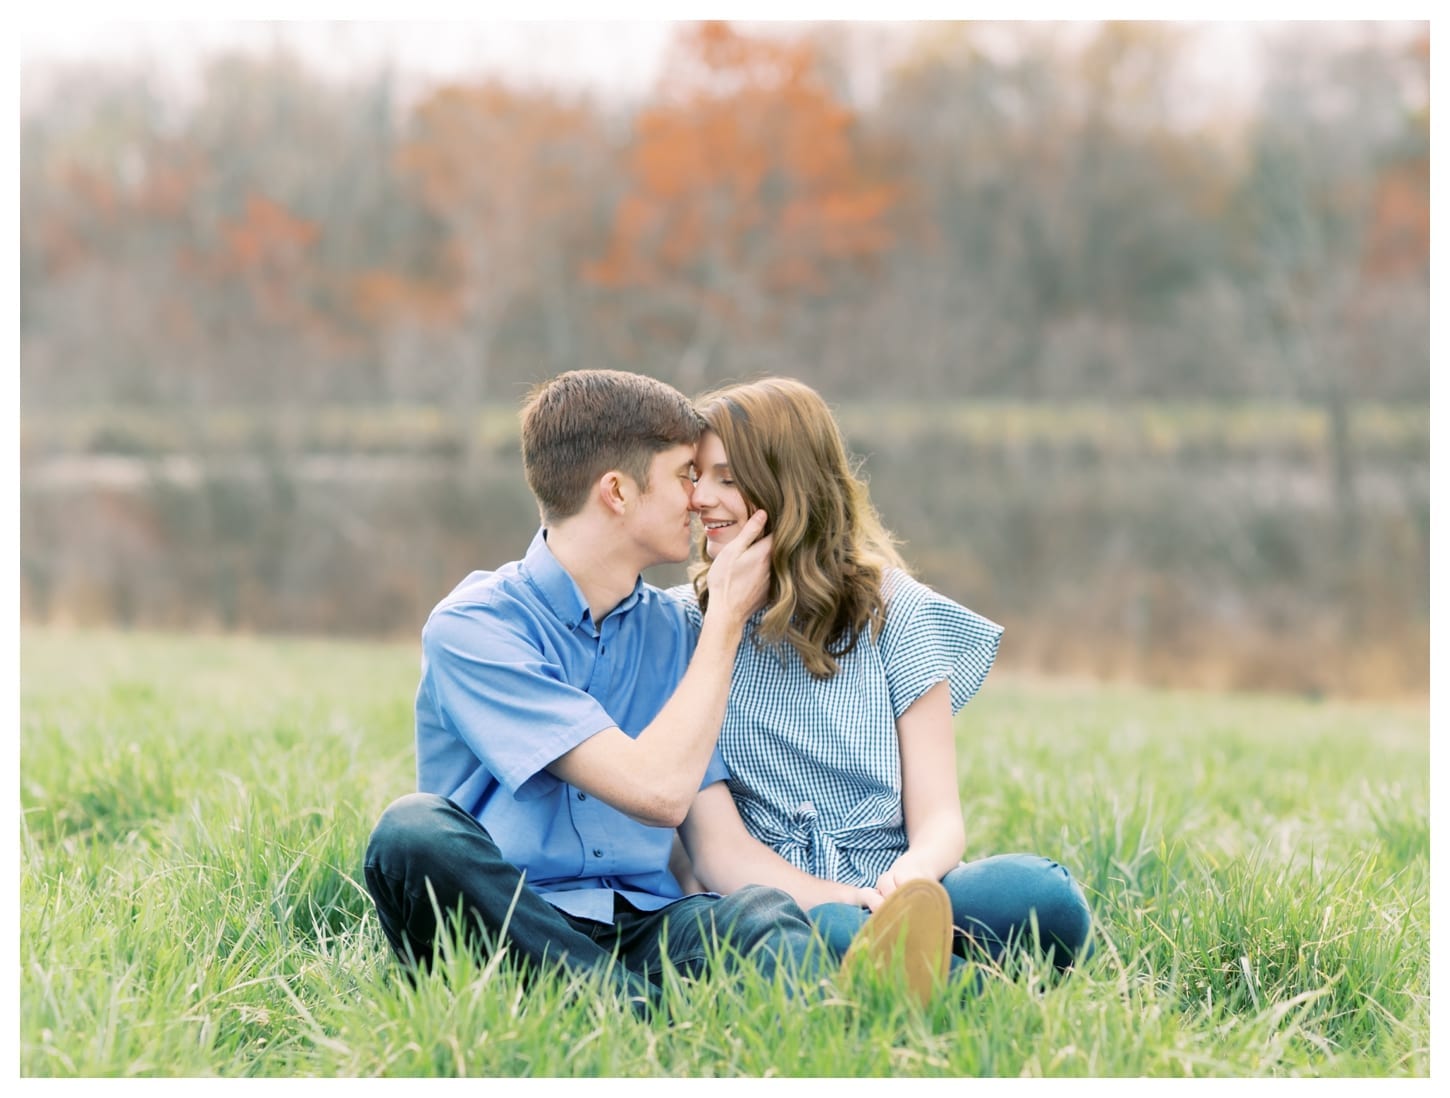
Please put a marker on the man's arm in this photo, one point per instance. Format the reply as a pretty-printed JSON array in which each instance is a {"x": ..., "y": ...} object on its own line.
[
  {"x": 654, "y": 777},
  {"x": 726, "y": 857}
]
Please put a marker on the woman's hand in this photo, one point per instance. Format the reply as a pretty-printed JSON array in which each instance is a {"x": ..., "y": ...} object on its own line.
[
  {"x": 905, "y": 868},
  {"x": 869, "y": 898}
]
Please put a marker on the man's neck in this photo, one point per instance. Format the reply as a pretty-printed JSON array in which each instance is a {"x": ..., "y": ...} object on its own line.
[{"x": 603, "y": 573}]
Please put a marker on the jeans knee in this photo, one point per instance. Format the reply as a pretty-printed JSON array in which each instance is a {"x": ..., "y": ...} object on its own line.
[
  {"x": 767, "y": 926},
  {"x": 1062, "y": 911},
  {"x": 1005, "y": 893},
  {"x": 761, "y": 906},
  {"x": 403, "y": 827},
  {"x": 1066, "y": 908},
  {"x": 757, "y": 914}
]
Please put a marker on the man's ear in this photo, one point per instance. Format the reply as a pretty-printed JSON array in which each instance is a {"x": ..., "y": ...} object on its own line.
[{"x": 615, "y": 491}]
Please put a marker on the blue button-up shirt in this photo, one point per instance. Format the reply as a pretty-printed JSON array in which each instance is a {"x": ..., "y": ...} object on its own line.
[{"x": 515, "y": 674}]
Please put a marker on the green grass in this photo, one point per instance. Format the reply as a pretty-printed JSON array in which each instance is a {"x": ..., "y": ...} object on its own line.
[{"x": 195, "y": 809}]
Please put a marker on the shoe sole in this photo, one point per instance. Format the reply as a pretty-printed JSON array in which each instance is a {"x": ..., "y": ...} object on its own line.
[{"x": 909, "y": 934}]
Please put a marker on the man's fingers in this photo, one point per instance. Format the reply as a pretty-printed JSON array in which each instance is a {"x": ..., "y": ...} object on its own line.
[
  {"x": 752, "y": 528},
  {"x": 760, "y": 548},
  {"x": 749, "y": 532}
]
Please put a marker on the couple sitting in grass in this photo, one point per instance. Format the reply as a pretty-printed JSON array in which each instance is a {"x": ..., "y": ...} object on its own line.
[{"x": 614, "y": 779}]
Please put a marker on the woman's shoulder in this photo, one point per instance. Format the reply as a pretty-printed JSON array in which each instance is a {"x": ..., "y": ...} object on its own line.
[
  {"x": 928, "y": 637},
  {"x": 683, "y": 596},
  {"x": 909, "y": 600},
  {"x": 901, "y": 588},
  {"x": 682, "y": 592}
]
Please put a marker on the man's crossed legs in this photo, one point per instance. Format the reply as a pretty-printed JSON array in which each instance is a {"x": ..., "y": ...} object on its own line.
[{"x": 427, "y": 855}]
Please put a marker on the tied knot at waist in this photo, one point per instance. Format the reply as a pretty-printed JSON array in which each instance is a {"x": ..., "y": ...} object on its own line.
[{"x": 808, "y": 844}]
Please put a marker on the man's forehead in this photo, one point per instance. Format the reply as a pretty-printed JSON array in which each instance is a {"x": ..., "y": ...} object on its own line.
[{"x": 682, "y": 454}]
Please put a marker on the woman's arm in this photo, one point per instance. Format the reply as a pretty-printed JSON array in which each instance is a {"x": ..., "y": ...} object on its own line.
[
  {"x": 683, "y": 869},
  {"x": 932, "y": 803},
  {"x": 726, "y": 857}
]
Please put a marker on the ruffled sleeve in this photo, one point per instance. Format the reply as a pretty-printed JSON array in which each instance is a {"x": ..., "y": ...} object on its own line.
[{"x": 928, "y": 637}]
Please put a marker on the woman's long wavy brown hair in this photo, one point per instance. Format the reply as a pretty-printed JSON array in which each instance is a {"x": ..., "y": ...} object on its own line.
[{"x": 830, "y": 548}]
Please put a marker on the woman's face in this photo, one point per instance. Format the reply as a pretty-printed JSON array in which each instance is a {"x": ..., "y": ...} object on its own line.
[{"x": 721, "y": 506}]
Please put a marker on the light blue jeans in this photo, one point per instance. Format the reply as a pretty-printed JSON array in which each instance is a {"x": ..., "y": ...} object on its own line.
[{"x": 995, "y": 903}]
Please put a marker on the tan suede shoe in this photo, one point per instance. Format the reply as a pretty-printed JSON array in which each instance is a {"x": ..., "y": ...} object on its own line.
[{"x": 910, "y": 934}]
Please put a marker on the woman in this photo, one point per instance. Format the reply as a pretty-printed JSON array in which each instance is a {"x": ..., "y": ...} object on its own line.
[{"x": 838, "y": 734}]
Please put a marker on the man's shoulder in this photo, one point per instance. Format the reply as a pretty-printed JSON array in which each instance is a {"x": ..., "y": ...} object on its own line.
[
  {"x": 476, "y": 588},
  {"x": 481, "y": 596}
]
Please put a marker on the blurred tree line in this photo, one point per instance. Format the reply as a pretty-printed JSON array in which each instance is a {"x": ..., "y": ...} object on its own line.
[{"x": 1020, "y": 217}]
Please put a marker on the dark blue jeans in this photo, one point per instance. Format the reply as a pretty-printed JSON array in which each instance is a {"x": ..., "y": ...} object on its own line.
[
  {"x": 425, "y": 842},
  {"x": 995, "y": 902}
]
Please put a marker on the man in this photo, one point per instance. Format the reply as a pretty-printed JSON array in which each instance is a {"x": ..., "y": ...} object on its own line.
[{"x": 565, "y": 727}]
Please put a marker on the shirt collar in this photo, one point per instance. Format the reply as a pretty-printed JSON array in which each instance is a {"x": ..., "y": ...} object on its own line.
[{"x": 557, "y": 587}]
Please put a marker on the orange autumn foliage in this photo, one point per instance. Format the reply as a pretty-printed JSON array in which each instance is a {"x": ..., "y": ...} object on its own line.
[
  {"x": 267, "y": 234},
  {"x": 745, "y": 177},
  {"x": 503, "y": 169},
  {"x": 1398, "y": 241},
  {"x": 267, "y": 249},
  {"x": 382, "y": 296}
]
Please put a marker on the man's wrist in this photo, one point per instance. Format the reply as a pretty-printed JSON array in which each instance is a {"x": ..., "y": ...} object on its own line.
[{"x": 726, "y": 625}]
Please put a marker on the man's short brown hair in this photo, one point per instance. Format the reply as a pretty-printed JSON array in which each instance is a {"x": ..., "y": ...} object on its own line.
[{"x": 579, "y": 425}]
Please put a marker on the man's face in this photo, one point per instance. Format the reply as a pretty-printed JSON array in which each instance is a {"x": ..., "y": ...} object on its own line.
[{"x": 660, "y": 521}]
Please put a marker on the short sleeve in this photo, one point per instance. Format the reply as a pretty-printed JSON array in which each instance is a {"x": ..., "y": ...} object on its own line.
[
  {"x": 927, "y": 638},
  {"x": 684, "y": 594},
  {"x": 498, "y": 693}
]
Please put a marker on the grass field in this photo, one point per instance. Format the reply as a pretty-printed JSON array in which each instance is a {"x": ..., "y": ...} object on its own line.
[{"x": 195, "y": 809}]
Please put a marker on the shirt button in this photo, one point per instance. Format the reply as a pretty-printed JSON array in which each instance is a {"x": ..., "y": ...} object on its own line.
[
  {"x": 578, "y": 796},
  {"x": 598, "y": 853}
]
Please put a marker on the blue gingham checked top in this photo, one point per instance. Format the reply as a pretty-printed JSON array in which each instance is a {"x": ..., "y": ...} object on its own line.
[{"x": 815, "y": 766}]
